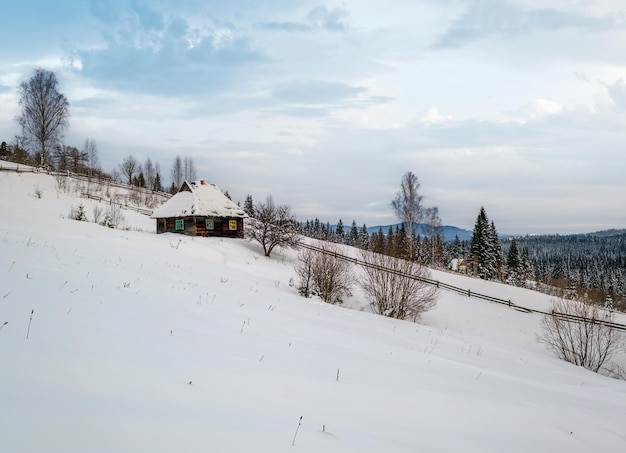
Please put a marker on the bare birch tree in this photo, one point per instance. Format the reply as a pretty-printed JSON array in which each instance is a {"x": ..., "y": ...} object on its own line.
[
  {"x": 407, "y": 205},
  {"x": 45, "y": 112},
  {"x": 90, "y": 148},
  {"x": 177, "y": 173}
]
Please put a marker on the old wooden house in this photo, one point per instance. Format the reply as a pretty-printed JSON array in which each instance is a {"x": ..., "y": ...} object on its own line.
[{"x": 200, "y": 209}]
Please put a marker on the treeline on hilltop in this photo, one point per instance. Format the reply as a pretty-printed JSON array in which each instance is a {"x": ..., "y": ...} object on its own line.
[
  {"x": 43, "y": 119},
  {"x": 592, "y": 265},
  {"x": 587, "y": 266}
]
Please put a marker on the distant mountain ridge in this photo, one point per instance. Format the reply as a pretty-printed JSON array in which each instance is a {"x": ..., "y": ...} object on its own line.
[{"x": 448, "y": 232}]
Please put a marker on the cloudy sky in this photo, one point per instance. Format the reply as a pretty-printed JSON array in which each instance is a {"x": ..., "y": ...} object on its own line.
[{"x": 515, "y": 105}]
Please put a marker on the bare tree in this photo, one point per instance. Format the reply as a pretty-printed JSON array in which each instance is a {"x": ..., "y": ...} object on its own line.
[
  {"x": 189, "y": 169},
  {"x": 395, "y": 287},
  {"x": 149, "y": 173},
  {"x": 177, "y": 172},
  {"x": 128, "y": 168},
  {"x": 90, "y": 148},
  {"x": 576, "y": 331},
  {"x": 274, "y": 226},
  {"x": 407, "y": 205},
  {"x": 45, "y": 112},
  {"x": 434, "y": 230}
]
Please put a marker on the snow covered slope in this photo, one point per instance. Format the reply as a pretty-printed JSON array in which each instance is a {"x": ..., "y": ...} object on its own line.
[{"x": 162, "y": 343}]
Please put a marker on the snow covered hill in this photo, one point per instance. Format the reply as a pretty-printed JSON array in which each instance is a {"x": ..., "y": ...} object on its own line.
[{"x": 140, "y": 342}]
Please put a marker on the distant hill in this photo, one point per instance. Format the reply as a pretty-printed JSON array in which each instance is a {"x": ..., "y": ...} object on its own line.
[{"x": 449, "y": 232}]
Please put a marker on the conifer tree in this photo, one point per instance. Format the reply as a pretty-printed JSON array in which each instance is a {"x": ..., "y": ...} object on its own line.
[
  {"x": 479, "y": 246},
  {"x": 377, "y": 242},
  {"x": 248, "y": 206},
  {"x": 339, "y": 230},
  {"x": 513, "y": 263},
  {"x": 364, "y": 238},
  {"x": 390, "y": 243},
  {"x": 354, "y": 235},
  {"x": 494, "y": 260},
  {"x": 157, "y": 187}
]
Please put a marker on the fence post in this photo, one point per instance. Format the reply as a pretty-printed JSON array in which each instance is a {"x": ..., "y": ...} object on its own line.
[{"x": 469, "y": 293}]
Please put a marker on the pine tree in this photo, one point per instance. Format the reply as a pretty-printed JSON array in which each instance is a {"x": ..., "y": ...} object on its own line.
[
  {"x": 494, "y": 260},
  {"x": 353, "y": 238},
  {"x": 377, "y": 242},
  {"x": 513, "y": 263},
  {"x": 157, "y": 187},
  {"x": 364, "y": 238},
  {"x": 479, "y": 246},
  {"x": 390, "y": 243},
  {"x": 248, "y": 206},
  {"x": 339, "y": 230},
  {"x": 141, "y": 180}
]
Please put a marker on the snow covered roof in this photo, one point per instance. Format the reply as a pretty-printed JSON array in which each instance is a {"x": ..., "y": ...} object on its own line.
[{"x": 198, "y": 199}]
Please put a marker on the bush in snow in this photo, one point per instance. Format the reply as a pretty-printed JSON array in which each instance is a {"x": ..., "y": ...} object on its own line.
[
  {"x": 394, "y": 288},
  {"x": 324, "y": 274},
  {"x": 576, "y": 331},
  {"x": 78, "y": 213},
  {"x": 97, "y": 213},
  {"x": 113, "y": 217}
]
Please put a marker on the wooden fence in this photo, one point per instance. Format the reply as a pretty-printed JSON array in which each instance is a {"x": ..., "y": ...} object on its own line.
[
  {"x": 465, "y": 292},
  {"x": 17, "y": 168}
]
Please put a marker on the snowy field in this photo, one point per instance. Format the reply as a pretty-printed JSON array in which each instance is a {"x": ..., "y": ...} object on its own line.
[{"x": 163, "y": 343}]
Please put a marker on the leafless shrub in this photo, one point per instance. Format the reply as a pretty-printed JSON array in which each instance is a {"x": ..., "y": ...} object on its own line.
[
  {"x": 113, "y": 217},
  {"x": 576, "y": 332},
  {"x": 97, "y": 213},
  {"x": 332, "y": 277},
  {"x": 324, "y": 274},
  {"x": 392, "y": 290},
  {"x": 304, "y": 271}
]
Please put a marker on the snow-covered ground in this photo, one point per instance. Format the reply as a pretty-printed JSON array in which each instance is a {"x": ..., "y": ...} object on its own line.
[{"x": 163, "y": 343}]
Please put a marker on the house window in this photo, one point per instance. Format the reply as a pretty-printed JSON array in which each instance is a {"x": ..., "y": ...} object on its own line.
[
  {"x": 180, "y": 224},
  {"x": 210, "y": 224},
  {"x": 232, "y": 225}
]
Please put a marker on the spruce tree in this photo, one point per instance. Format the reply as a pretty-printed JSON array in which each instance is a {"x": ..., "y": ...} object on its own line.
[
  {"x": 364, "y": 238},
  {"x": 354, "y": 235},
  {"x": 494, "y": 260},
  {"x": 377, "y": 242},
  {"x": 248, "y": 206},
  {"x": 390, "y": 243},
  {"x": 479, "y": 245},
  {"x": 513, "y": 264},
  {"x": 157, "y": 187},
  {"x": 339, "y": 230}
]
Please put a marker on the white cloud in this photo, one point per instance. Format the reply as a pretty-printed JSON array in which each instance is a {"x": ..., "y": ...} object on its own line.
[{"x": 432, "y": 116}]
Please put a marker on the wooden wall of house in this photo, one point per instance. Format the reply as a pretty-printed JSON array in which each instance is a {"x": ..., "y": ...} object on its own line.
[
  {"x": 196, "y": 226},
  {"x": 221, "y": 227}
]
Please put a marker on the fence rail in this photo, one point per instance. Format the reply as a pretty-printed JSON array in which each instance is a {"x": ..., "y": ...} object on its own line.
[
  {"x": 465, "y": 292},
  {"x": 17, "y": 168}
]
